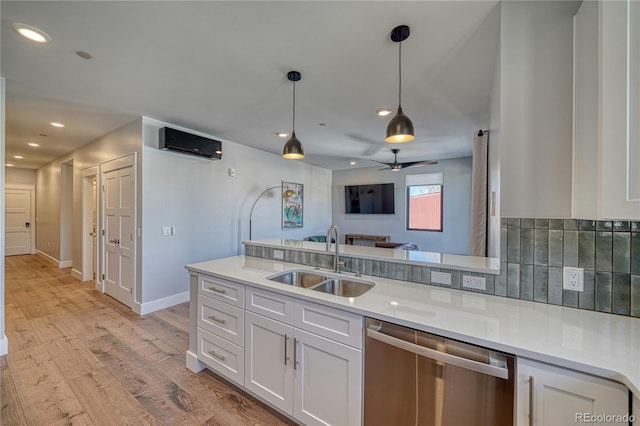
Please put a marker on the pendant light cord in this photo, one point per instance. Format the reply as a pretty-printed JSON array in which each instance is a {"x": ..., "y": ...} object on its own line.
[
  {"x": 293, "y": 127},
  {"x": 400, "y": 73}
]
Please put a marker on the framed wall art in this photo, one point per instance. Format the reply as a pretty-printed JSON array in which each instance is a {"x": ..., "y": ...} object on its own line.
[{"x": 292, "y": 207}]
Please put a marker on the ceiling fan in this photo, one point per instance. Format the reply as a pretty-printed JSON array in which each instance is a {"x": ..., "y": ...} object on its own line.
[{"x": 395, "y": 166}]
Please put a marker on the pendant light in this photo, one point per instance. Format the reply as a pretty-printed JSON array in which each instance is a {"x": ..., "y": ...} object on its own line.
[
  {"x": 400, "y": 128},
  {"x": 293, "y": 149}
]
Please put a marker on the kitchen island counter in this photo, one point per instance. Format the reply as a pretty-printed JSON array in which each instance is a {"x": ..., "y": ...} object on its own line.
[{"x": 601, "y": 344}]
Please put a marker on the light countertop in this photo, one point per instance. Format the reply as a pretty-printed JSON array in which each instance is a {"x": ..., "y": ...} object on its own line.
[
  {"x": 604, "y": 345},
  {"x": 487, "y": 265}
]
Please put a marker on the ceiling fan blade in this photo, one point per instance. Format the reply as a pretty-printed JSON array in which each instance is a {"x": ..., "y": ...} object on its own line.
[
  {"x": 418, "y": 163},
  {"x": 382, "y": 162},
  {"x": 385, "y": 168}
]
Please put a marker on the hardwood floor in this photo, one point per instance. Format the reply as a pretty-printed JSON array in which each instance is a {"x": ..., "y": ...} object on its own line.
[{"x": 77, "y": 356}]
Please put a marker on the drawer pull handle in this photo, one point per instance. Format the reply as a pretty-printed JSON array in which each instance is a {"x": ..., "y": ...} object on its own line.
[
  {"x": 220, "y": 357},
  {"x": 212, "y": 318},
  {"x": 218, "y": 290},
  {"x": 295, "y": 353},
  {"x": 532, "y": 389},
  {"x": 286, "y": 358}
]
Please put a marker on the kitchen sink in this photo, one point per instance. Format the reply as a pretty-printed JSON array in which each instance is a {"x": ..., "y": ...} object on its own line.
[
  {"x": 304, "y": 279},
  {"x": 344, "y": 287},
  {"x": 322, "y": 282}
]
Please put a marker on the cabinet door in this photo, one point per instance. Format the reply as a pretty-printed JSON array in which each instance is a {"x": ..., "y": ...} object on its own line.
[
  {"x": 327, "y": 381},
  {"x": 620, "y": 106},
  {"x": 563, "y": 397},
  {"x": 268, "y": 371}
]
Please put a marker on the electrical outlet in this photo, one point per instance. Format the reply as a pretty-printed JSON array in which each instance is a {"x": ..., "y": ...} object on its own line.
[
  {"x": 165, "y": 231},
  {"x": 479, "y": 283},
  {"x": 573, "y": 278},
  {"x": 441, "y": 277},
  {"x": 278, "y": 254}
]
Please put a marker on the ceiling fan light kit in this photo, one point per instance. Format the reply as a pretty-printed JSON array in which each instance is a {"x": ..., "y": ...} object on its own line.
[
  {"x": 293, "y": 149},
  {"x": 400, "y": 128}
]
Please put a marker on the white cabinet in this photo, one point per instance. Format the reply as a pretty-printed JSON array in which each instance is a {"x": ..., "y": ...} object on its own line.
[
  {"x": 606, "y": 176},
  {"x": 558, "y": 396},
  {"x": 220, "y": 326},
  {"x": 316, "y": 379},
  {"x": 327, "y": 381},
  {"x": 268, "y": 362}
]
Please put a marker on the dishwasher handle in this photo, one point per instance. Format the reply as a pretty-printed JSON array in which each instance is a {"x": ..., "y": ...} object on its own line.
[{"x": 479, "y": 367}]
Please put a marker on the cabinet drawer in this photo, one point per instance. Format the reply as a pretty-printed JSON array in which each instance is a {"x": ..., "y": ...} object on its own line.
[
  {"x": 271, "y": 305},
  {"x": 334, "y": 324},
  {"x": 221, "y": 319},
  {"x": 221, "y": 356},
  {"x": 226, "y": 291}
]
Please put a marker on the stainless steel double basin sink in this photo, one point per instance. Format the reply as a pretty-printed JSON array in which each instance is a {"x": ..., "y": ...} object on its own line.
[{"x": 323, "y": 282}]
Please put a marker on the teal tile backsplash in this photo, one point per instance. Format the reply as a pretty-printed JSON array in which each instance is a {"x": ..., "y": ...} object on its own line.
[
  {"x": 533, "y": 253},
  {"x": 609, "y": 252}
]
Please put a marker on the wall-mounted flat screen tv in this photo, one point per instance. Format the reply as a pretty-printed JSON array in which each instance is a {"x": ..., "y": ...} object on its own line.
[{"x": 369, "y": 199}]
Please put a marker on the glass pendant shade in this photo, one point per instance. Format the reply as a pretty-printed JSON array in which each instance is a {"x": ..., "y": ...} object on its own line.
[
  {"x": 400, "y": 128},
  {"x": 293, "y": 149}
]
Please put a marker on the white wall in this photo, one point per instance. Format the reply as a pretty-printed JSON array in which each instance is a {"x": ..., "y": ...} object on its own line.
[
  {"x": 66, "y": 214},
  {"x": 210, "y": 210},
  {"x": 4, "y": 344},
  {"x": 536, "y": 107},
  {"x": 456, "y": 235},
  {"x": 18, "y": 176},
  {"x": 494, "y": 166},
  {"x": 122, "y": 141}
]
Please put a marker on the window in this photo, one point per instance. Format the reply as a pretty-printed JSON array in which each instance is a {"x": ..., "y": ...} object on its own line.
[{"x": 424, "y": 202}]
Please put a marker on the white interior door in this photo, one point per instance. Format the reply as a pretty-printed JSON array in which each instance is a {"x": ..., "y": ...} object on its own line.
[
  {"x": 119, "y": 224},
  {"x": 17, "y": 222}
]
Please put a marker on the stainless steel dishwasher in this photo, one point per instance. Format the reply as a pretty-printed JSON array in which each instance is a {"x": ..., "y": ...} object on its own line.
[{"x": 416, "y": 378}]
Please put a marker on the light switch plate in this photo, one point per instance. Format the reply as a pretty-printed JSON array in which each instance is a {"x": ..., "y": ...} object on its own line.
[
  {"x": 165, "y": 231},
  {"x": 438, "y": 277}
]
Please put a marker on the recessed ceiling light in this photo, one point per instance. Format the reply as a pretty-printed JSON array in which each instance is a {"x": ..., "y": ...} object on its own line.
[
  {"x": 383, "y": 112},
  {"x": 18, "y": 157},
  {"x": 353, "y": 163},
  {"x": 33, "y": 144},
  {"x": 282, "y": 134},
  {"x": 83, "y": 54},
  {"x": 9, "y": 165},
  {"x": 32, "y": 33},
  {"x": 55, "y": 124}
]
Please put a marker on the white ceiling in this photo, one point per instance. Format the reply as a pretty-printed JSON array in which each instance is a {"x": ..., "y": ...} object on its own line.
[{"x": 220, "y": 68}]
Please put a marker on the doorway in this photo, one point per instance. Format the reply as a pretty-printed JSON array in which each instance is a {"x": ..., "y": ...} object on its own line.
[
  {"x": 118, "y": 211},
  {"x": 90, "y": 235},
  {"x": 19, "y": 220}
]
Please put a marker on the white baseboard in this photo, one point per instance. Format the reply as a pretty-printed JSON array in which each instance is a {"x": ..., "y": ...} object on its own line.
[
  {"x": 4, "y": 346},
  {"x": 76, "y": 274},
  {"x": 193, "y": 364},
  {"x": 48, "y": 257},
  {"x": 165, "y": 302},
  {"x": 59, "y": 264}
]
